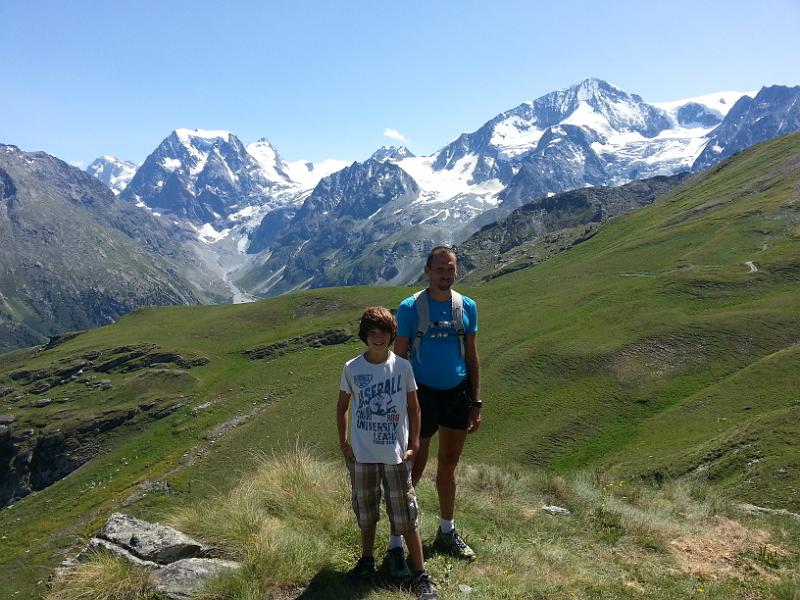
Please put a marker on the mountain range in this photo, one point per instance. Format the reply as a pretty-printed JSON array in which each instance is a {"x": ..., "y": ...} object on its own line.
[
  {"x": 590, "y": 134},
  {"x": 243, "y": 223}
]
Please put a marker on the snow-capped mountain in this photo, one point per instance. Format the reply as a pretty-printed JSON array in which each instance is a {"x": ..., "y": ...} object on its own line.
[
  {"x": 774, "y": 111},
  {"x": 394, "y": 153},
  {"x": 207, "y": 177},
  {"x": 592, "y": 133},
  {"x": 591, "y": 104},
  {"x": 353, "y": 228},
  {"x": 701, "y": 111},
  {"x": 273, "y": 167},
  {"x": 112, "y": 171}
]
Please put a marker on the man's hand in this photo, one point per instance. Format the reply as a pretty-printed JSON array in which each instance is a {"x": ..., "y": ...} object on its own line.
[
  {"x": 347, "y": 451},
  {"x": 474, "y": 419}
]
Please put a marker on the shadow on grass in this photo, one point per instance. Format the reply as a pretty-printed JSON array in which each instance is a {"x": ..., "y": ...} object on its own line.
[{"x": 331, "y": 585}]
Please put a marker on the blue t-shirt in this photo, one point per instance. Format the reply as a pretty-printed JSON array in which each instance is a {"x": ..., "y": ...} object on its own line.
[{"x": 439, "y": 363}]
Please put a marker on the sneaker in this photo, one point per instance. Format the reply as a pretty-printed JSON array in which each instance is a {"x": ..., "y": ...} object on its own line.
[
  {"x": 424, "y": 588},
  {"x": 395, "y": 563},
  {"x": 451, "y": 543},
  {"x": 363, "y": 570}
]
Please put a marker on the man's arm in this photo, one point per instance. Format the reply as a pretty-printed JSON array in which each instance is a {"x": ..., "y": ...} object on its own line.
[
  {"x": 414, "y": 419},
  {"x": 401, "y": 344},
  {"x": 405, "y": 329},
  {"x": 474, "y": 374},
  {"x": 341, "y": 425}
]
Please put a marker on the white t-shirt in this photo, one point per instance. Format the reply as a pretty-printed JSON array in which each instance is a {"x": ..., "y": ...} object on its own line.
[{"x": 378, "y": 408}]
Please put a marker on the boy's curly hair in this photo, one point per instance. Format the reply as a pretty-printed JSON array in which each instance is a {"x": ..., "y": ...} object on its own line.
[{"x": 377, "y": 317}]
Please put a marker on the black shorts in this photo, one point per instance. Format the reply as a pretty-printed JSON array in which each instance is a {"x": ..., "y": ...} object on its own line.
[{"x": 445, "y": 408}]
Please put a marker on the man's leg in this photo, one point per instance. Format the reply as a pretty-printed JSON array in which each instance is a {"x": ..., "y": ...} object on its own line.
[
  {"x": 420, "y": 460},
  {"x": 451, "y": 443}
]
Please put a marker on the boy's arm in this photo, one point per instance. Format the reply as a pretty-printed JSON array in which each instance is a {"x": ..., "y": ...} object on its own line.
[
  {"x": 341, "y": 425},
  {"x": 413, "y": 425}
]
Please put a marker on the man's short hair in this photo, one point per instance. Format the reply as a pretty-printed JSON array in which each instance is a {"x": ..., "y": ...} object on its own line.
[
  {"x": 436, "y": 251},
  {"x": 377, "y": 317}
]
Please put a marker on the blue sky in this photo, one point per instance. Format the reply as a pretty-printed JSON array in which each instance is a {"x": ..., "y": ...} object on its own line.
[{"x": 327, "y": 79}]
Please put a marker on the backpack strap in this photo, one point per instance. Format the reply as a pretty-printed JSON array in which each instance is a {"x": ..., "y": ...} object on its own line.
[
  {"x": 423, "y": 318},
  {"x": 457, "y": 303}
]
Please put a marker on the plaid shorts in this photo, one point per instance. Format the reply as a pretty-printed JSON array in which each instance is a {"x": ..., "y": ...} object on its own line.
[{"x": 401, "y": 500}]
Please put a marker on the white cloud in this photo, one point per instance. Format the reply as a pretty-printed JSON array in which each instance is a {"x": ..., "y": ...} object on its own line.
[
  {"x": 394, "y": 134},
  {"x": 77, "y": 163}
]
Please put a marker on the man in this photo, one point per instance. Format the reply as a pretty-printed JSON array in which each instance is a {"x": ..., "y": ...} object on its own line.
[{"x": 438, "y": 337}]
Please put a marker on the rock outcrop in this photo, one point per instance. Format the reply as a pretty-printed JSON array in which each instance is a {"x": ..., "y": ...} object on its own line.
[
  {"x": 182, "y": 579},
  {"x": 179, "y": 564},
  {"x": 151, "y": 542},
  {"x": 33, "y": 458}
]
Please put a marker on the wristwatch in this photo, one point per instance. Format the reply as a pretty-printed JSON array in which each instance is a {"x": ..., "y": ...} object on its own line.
[{"x": 476, "y": 404}]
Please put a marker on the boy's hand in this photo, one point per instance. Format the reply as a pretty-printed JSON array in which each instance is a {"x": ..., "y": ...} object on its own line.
[
  {"x": 347, "y": 451},
  {"x": 412, "y": 451}
]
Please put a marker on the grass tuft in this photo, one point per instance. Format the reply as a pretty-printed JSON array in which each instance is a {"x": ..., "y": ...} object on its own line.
[
  {"x": 104, "y": 577},
  {"x": 290, "y": 523}
]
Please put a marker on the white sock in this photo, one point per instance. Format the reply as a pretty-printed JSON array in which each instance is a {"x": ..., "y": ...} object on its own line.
[
  {"x": 446, "y": 525},
  {"x": 395, "y": 541}
]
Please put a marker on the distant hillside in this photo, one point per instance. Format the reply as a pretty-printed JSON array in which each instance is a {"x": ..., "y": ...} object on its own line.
[
  {"x": 72, "y": 256},
  {"x": 538, "y": 229},
  {"x": 664, "y": 347}
]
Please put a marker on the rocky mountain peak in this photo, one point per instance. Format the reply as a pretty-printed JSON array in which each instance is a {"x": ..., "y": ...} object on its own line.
[
  {"x": 112, "y": 171},
  {"x": 774, "y": 111},
  {"x": 274, "y": 167},
  {"x": 391, "y": 153},
  {"x": 205, "y": 176}
]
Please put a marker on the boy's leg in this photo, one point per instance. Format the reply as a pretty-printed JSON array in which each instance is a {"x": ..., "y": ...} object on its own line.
[
  {"x": 401, "y": 506},
  {"x": 414, "y": 543},
  {"x": 365, "y": 480},
  {"x": 368, "y": 542}
]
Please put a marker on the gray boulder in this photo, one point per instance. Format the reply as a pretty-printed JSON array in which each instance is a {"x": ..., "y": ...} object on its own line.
[
  {"x": 556, "y": 510},
  {"x": 97, "y": 544},
  {"x": 151, "y": 541},
  {"x": 184, "y": 578}
]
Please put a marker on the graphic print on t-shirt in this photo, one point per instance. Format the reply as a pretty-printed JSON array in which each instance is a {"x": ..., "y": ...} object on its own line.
[
  {"x": 376, "y": 408},
  {"x": 441, "y": 329}
]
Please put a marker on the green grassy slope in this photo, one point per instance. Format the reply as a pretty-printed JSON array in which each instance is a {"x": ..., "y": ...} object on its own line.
[{"x": 651, "y": 349}]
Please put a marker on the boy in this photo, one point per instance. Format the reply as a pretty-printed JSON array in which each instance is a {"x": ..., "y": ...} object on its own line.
[{"x": 384, "y": 436}]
